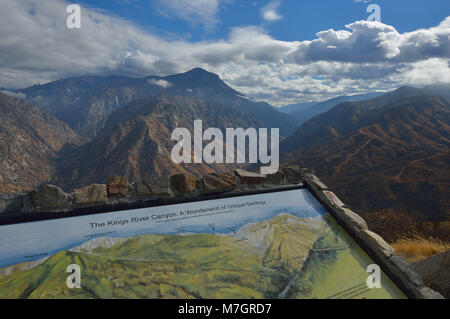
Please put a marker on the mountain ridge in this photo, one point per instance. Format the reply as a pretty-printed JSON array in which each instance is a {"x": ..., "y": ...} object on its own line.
[
  {"x": 85, "y": 103},
  {"x": 30, "y": 141},
  {"x": 136, "y": 142},
  {"x": 388, "y": 158},
  {"x": 304, "y": 111}
]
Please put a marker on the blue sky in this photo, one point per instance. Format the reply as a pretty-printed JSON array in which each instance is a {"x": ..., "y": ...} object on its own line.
[
  {"x": 280, "y": 51},
  {"x": 301, "y": 19}
]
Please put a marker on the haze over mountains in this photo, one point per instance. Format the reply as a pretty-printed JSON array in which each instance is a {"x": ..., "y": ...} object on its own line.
[
  {"x": 304, "y": 111},
  {"x": 387, "y": 155}
]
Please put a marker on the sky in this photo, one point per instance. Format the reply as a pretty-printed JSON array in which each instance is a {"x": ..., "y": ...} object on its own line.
[{"x": 280, "y": 51}]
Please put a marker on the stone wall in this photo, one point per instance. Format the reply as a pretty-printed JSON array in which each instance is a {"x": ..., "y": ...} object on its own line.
[{"x": 118, "y": 193}]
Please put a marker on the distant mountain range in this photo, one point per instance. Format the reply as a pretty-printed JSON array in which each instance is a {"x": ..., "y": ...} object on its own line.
[
  {"x": 292, "y": 108},
  {"x": 125, "y": 124},
  {"x": 85, "y": 103},
  {"x": 387, "y": 157},
  {"x": 302, "y": 112}
]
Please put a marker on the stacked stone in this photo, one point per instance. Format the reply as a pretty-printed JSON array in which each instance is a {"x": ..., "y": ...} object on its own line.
[{"x": 117, "y": 190}]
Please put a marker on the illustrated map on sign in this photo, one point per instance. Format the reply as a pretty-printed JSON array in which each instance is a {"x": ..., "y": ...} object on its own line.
[{"x": 273, "y": 245}]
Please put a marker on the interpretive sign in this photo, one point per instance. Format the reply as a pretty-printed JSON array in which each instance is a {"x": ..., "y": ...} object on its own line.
[{"x": 271, "y": 245}]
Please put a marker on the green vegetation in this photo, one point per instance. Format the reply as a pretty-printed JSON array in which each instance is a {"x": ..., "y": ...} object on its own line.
[
  {"x": 287, "y": 241},
  {"x": 286, "y": 256}
]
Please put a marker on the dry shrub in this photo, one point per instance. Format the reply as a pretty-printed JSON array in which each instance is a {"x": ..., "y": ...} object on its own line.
[{"x": 418, "y": 248}]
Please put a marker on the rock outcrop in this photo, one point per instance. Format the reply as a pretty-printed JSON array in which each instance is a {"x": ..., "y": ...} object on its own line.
[
  {"x": 47, "y": 198},
  {"x": 435, "y": 271},
  {"x": 155, "y": 187},
  {"x": 93, "y": 195},
  {"x": 214, "y": 182},
  {"x": 117, "y": 186}
]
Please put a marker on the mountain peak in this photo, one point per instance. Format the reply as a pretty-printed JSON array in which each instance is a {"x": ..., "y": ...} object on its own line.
[
  {"x": 209, "y": 84},
  {"x": 199, "y": 74},
  {"x": 407, "y": 88},
  {"x": 199, "y": 71}
]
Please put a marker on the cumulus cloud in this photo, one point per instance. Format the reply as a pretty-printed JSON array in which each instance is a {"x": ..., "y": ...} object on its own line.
[
  {"x": 371, "y": 41},
  {"x": 270, "y": 11},
  {"x": 424, "y": 72},
  {"x": 37, "y": 47}
]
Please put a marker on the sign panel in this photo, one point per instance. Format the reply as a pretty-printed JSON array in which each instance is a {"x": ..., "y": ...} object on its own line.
[{"x": 272, "y": 245}]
